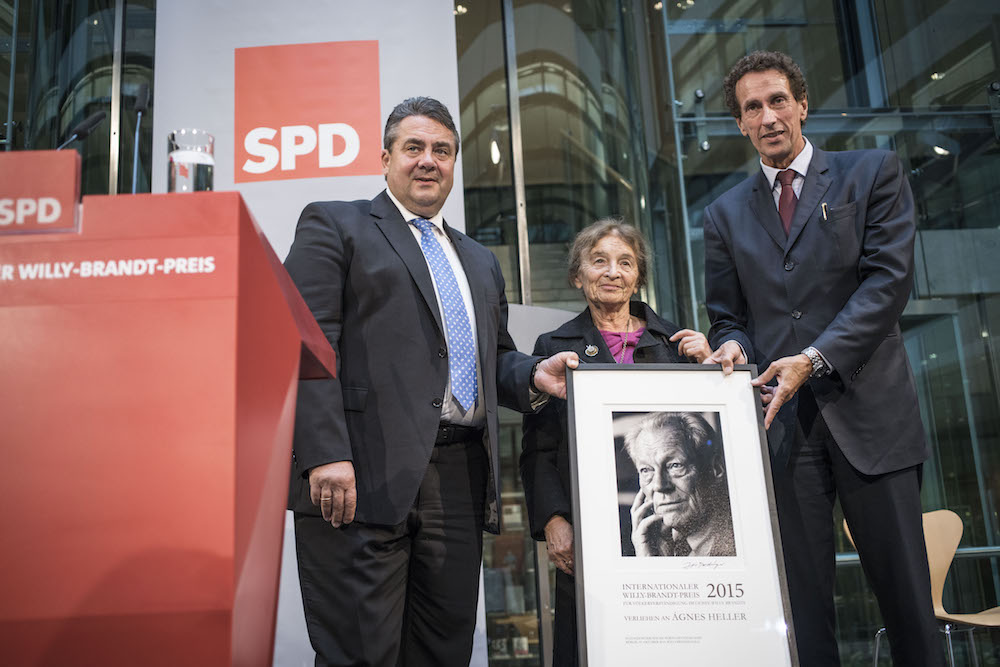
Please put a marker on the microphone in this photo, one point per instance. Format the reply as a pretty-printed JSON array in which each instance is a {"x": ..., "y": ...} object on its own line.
[
  {"x": 142, "y": 98},
  {"x": 85, "y": 127},
  {"x": 141, "y": 104}
]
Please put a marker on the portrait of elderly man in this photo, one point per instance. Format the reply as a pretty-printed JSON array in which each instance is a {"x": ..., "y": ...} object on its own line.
[{"x": 682, "y": 506}]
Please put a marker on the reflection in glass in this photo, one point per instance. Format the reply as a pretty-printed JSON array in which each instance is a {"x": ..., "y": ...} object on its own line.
[
  {"x": 63, "y": 73},
  {"x": 581, "y": 113},
  {"x": 622, "y": 113},
  {"x": 490, "y": 215},
  {"x": 509, "y": 567}
]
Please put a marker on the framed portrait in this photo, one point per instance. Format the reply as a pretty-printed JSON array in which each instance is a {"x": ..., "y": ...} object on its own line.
[{"x": 678, "y": 554}]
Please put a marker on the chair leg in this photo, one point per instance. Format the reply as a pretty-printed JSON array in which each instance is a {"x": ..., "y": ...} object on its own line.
[
  {"x": 951, "y": 651},
  {"x": 972, "y": 648},
  {"x": 878, "y": 642}
]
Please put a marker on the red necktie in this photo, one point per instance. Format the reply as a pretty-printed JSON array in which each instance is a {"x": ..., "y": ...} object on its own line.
[{"x": 787, "y": 198}]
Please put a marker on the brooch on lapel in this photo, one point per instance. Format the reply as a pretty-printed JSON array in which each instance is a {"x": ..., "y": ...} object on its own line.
[{"x": 591, "y": 351}]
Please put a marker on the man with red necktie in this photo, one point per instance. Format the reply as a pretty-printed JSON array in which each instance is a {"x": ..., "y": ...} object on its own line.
[{"x": 808, "y": 265}]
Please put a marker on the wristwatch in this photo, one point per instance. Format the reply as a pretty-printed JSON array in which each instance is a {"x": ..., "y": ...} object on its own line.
[
  {"x": 531, "y": 378},
  {"x": 819, "y": 365}
]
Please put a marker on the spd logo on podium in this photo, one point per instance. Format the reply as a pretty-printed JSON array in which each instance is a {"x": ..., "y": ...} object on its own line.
[
  {"x": 39, "y": 191},
  {"x": 307, "y": 111}
]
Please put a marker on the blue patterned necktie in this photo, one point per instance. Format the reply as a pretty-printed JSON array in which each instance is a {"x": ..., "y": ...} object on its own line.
[{"x": 461, "y": 350}]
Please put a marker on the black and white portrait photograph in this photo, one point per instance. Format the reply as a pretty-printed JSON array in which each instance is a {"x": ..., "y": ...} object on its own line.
[
  {"x": 671, "y": 460},
  {"x": 673, "y": 492}
]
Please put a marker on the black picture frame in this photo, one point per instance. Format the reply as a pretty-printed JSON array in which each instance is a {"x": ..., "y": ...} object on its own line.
[{"x": 704, "y": 580}]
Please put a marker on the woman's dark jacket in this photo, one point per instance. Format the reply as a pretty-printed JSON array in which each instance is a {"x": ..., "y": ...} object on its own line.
[{"x": 545, "y": 442}]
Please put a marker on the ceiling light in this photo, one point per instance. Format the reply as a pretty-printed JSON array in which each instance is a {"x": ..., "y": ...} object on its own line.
[
  {"x": 494, "y": 151},
  {"x": 936, "y": 76},
  {"x": 657, "y": 6},
  {"x": 941, "y": 151},
  {"x": 460, "y": 9}
]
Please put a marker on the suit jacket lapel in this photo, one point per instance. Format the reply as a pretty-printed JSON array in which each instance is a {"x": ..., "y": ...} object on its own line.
[
  {"x": 581, "y": 335},
  {"x": 399, "y": 236},
  {"x": 657, "y": 337},
  {"x": 592, "y": 338},
  {"x": 762, "y": 204},
  {"x": 815, "y": 187}
]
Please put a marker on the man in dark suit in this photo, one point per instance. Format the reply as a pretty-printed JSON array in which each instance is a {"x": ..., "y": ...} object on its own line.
[
  {"x": 808, "y": 265},
  {"x": 395, "y": 471}
]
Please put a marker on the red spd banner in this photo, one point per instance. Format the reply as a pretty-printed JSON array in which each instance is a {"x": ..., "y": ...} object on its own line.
[
  {"x": 39, "y": 191},
  {"x": 307, "y": 111}
]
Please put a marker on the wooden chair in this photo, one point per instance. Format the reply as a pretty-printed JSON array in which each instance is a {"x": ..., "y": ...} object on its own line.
[{"x": 942, "y": 533}]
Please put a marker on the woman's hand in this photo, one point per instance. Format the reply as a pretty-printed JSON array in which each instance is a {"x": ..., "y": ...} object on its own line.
[
  {"x": 559, "y": 542},
  {"x": 692, "y": 345}
]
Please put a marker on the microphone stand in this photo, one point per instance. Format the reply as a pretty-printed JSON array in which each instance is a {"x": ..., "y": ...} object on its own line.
[
  {"x": 142, "y": 101},
  {"x": 135, "y": 154},
  {"x": 66, "y": 143}
]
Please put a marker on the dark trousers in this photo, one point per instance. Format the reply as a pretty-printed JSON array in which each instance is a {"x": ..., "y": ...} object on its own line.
[
  {"x": 565, "y": 651},
  {"x": 884, "y": 514},
  {"x": 381, "y": 596}
]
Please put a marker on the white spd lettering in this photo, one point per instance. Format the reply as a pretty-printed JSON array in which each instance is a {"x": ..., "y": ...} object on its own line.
[
  {"x": 117, "y": 267},
  {"x": 297, "y": 141},
  {"x": 188, "y": 265},
  {"x": 44, "y": 210}
]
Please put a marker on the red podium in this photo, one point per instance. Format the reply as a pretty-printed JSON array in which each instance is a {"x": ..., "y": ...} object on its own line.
[{"x": 148, "y": 376}]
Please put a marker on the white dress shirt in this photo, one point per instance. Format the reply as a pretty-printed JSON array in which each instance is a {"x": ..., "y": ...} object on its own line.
[
  {"x": 800, "y": 165},
  {"x": 451, "y": 411}
]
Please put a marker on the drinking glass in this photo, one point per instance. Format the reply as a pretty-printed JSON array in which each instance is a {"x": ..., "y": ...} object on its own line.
[{"x": 191, "y": 153}]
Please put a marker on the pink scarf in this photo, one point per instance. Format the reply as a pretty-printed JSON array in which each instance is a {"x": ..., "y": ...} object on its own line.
[{"x": 615, "y": 340}]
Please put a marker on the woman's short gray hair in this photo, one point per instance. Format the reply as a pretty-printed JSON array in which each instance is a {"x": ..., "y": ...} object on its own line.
[{"x": 591, "y": 235}]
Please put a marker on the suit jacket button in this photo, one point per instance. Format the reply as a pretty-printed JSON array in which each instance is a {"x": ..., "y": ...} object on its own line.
[
  {"x": 442, "y": 352},
  {"x": 437, "y": 403},
  {"x": 796, "y": 314},
  {"x": 789, "y": 265}
]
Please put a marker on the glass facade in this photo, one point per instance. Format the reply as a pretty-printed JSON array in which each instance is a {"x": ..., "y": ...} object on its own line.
[
  {"x": 621, "y": 112},
  {"x": 61, "y": 61},
  {"x": 572, "y": 110}
]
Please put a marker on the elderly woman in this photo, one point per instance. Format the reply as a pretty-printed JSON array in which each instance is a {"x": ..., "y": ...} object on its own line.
[{"x": 608, "y": 262}]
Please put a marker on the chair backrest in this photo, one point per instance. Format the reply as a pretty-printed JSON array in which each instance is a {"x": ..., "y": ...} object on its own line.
[{"x": 942, "y": 533}]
